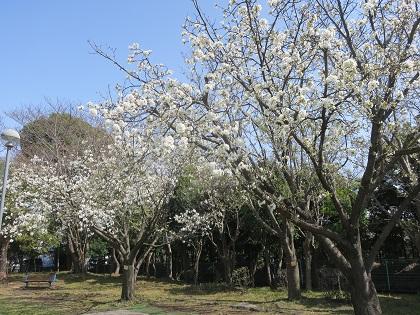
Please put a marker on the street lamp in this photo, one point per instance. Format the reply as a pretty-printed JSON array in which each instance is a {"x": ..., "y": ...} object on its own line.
[{"x": 10, "y": 138}]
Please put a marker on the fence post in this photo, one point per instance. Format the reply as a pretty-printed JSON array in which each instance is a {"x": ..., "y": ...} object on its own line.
[{"x": 387, "y": 277}]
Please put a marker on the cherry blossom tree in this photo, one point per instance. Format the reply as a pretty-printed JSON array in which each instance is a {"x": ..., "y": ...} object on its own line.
[
  {"x": 133, "y": 184},
  {"x": 60, "y": 193},
  {"x": 56, "y": 136},
  {"x": 195, "y": 228},
  {"x": 323, "y": 85},
  {"x": 210, "y": 199},
  {"x": 336, "y": 80},
  {"x": 21, "y": 217},
  {"x": 120, "y": 195}
]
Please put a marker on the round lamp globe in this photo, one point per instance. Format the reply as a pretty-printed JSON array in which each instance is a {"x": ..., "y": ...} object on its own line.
[{"x": 10, "y": 137}]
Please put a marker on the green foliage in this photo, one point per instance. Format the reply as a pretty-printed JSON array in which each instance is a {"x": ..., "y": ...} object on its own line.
[
  {"x": 97, "y": 247},
  {"x": 57, "y": 135},
  {"x": 241, "y": 278},
  {"x": 38, "y": 242},
  {"x": 189, "y": 189},
  {"x": 345, "y": 193}
]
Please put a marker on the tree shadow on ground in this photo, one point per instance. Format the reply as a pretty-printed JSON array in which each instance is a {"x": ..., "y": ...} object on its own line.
[
  {"x": 105, "y": 279},
  {"x": 400, "y": 304},
  {"x": 312, "y": 304},
  {"x": 36, "y": 287},
  {"x": 204, "y": 289},
  {"x": 324, "y": 304}
]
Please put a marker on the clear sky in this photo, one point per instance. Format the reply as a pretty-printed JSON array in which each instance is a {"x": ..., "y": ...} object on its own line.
[{"x": 44, "y": 51}]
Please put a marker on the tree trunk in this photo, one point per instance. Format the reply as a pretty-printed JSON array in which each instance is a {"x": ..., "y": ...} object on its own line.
[
  {"x": 315, "y": 267},
  {"x": 227, "y": 269},
  {"x": 4, "y": 246},
  {"x": 116, "y": 263},
  {"x": 79, "y": 264},
  {"x": 228, "y": 256},
  {"x": 129, "y": 282},
  {"x": 199, "y": 249},
  {"x": 252, "y": 270},
  {"x": 227, "y": 272},
  {"x": 362, "y": 289},
  {"x": 417, "y": 243},
  {"x": 149, "y": 258},
  {"x": 57, "y": 266},
  {"x": 307, "y": 251},
  {"x": 278, "y": 273},
  {"x": 363, "y": 293},
  {"x": 292, "y": 265},
  {"x": 267, "y": 267},
  {"x": 78, "y": 257},
  {"x": 293, "y": 278},
  {"x": 68, "y": 260},
  {"x": 154, "y": 264},
  {"x": 169, "y": 259}
]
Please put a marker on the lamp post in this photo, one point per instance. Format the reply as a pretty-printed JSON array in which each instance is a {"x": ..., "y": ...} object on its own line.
[{"x": 10, "y": 138}]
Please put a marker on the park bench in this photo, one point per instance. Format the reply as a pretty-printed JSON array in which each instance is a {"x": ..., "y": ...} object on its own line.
[{"x": 50, "y": 278}]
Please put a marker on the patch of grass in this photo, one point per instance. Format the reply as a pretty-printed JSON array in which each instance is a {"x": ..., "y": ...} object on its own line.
[
  {"x": 93, "y": 293},
  {"x": 153, "y": 310},
  {"x": 401, "y": 304},
  {"x": 71, "y": 295}
]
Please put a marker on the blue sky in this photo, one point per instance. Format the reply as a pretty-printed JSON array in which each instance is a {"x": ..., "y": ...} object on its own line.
[{"x": 44, "y": 51}]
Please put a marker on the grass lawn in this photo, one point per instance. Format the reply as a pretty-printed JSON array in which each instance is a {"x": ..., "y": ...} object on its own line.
[{"x": 75, "y": 295}]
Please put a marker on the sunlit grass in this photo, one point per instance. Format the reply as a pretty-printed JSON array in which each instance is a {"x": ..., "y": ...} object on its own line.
[{"x": 93, "y": 293}]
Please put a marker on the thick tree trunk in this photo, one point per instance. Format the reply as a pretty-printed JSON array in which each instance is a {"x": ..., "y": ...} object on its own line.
[
  {"x": 78, "y": 257},
  {"x": 79, "y": 265},
  {"x": 292, "y": 265},
  {"x": 227, "y": 269},
  {"x": 129, "y": 282},
  {"x": 363, "y": 293},
  {"x": 362, "y": 289},
  {"x": 227, "y": 258},
  {"x": 307, "y": 251},
  {"x": 4, "y": 246},
  {"x": 293, "y": 278}
]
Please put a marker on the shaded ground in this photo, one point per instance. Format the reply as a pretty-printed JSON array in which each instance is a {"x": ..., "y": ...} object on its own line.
[
  {"x": 99, "y": 293},
  {"x": 117, "y": 312}
]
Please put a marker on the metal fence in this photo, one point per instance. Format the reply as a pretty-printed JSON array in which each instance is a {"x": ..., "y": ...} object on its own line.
[{"x": 397, "y": 275}]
